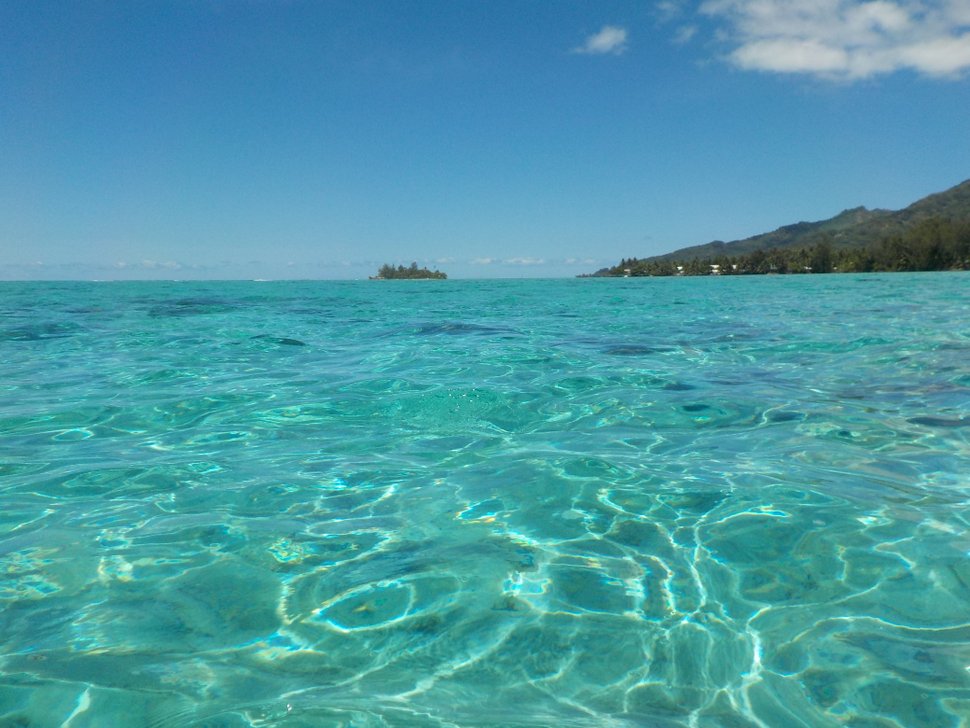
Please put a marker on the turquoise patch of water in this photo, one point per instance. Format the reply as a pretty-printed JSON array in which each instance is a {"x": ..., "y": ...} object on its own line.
[{"x": 703, "y": 502}]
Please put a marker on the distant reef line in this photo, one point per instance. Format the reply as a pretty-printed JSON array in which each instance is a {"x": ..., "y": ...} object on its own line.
[{"x": 930, "y": 234}]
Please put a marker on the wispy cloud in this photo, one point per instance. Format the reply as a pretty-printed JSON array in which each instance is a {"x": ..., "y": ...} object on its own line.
[
  {"x": 684, "y": 34},
  {"x": 846, "y": 39},
  {"x": 676, "y": 11},
  {"x": 524, "y": 261},
  {"x": 154, "y": 264},
  {"x": 667, "y": 9},
  {"x": 611, "y": 39}
]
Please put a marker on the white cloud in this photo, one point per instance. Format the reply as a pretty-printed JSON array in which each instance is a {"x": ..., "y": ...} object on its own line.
[
  {"x": 667, "y": 10},
  {"x": 482, "y": 261},
  {"x": 790, "y": 56},
  {"x": 942, "y": 56},
  {"x": 674, "y": 11},
  {"x": 846, "y": 39},
  {"x": 154, "y": 264},
  {"x": 684, "y": 34},
  {"x": 525, "y": 261},
  {"x": 610, "y": 39}
]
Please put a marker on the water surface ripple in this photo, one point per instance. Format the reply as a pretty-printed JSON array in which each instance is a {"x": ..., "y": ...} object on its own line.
[{"x": 665, "y": 502}]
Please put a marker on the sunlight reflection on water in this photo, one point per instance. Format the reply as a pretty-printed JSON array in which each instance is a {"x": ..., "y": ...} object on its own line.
[{"x": 450, "y": 503}]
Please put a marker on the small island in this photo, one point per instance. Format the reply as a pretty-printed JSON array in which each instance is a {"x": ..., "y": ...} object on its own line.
[{"x": 389, "y": 272}]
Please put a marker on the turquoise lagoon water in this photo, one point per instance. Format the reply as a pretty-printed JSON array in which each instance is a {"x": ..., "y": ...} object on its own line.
[{"x": 700, "y": 502}]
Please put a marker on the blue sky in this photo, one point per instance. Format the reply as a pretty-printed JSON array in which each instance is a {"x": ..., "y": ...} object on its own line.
[{"x": 261, "y": 139}]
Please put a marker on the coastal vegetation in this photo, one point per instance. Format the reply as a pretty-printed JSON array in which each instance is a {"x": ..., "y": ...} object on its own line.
[
  {"x": 388, "y": 272},
  {"x": 931, "y": 234},
  {"x": 930, "y": 245}
]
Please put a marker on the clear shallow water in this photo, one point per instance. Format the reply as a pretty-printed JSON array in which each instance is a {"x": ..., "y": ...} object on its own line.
[{"x": 701, "y": 502}]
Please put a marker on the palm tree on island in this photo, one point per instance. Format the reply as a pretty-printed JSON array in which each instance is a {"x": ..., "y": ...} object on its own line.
[{"x": 389, "y": 272}]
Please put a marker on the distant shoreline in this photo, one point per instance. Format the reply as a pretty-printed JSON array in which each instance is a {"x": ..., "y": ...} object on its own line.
[{"x": 932, "y": 245}]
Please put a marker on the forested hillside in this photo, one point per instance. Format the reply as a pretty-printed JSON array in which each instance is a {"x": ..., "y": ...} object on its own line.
[{"x": 930, "y": 234}]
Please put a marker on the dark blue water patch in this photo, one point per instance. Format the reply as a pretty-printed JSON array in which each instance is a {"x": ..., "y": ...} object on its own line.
[
  {"x": 679, "y": 386},
  {"x": 279, "y": 340},
  {"x": 953, "y": 346},
  {"x": 784, "y": 416},
  {"x": 453, "y": 328},
  {"x": 700, "y": 407},
  {"x": 39, "y": 332},
  {"x": 940, "y": 421},
  {"x": 635, "y": 350},
  {"x": 191, "y": 307}
]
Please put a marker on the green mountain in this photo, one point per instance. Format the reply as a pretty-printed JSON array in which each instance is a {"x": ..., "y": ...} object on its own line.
[{"x": 855, "y": 228}]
